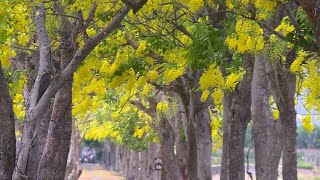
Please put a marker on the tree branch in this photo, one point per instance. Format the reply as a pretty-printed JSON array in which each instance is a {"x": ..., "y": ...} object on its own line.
[
  {"x": 141, "y": 107},
  {"x": 91, "y": 15},
  {"x": 135, "y": 6},
  {"x": 44, "y": 71},
  {"x": 292, "y": 18},
  {"x": 78, "y": 58}
]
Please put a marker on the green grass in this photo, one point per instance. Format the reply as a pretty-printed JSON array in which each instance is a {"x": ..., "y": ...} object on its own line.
[
  {"x": 303, "y": 177},
  {"x": 305, "y": 165}
]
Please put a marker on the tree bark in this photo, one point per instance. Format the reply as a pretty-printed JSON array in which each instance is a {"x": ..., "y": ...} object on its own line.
[
  {"x": 227, "y": 100},
  {"x": 143, "y": 165},
  {"x": 181, "y": 146},
  {"x": 55, "y": 155},
  {"x": 7, "y": 131},
  {"x": 153, "y": 152},
  {"x": 204, "y": 142},
  {"x": 263, "y": 123},
  {"x": 37, "y": 148},
  {"x": 198, "y": 129},
  {"x": 190, "y": 130},
  {"x": 167, "y": 139},
  {"x": 133, "y": 166},
  {"x": 53, "y": 162},
  {"x": 274, "y": 154},
  {"x": 54, "y": 159},
  {"x": 40, "y": 86},
  {"x": 239, "y": 117},
  {"x": 283, "y": 90},
  {"x": 74, "y": 169}
]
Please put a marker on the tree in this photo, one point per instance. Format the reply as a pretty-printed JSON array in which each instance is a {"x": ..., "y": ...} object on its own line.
[{"x": 40, "y": 94}]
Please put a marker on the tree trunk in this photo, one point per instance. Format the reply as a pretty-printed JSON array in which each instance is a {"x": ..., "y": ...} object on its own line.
[
  {"x": 239, "y": 117},
  {"x": 283, "y": 90},
  {"x": 263, "y": 123},
  {"x": 198, "y": 129},
  {"x": 204, "y": 143},
  {"x": 54, "y": 159},
  {"x": 127, "y": 162},
  {"x": 289, "y": 127},
  {"x": 169, "y": 161},
  {"x": 181, "y": 147},
  {"x": 55, "y": 155},
  {"x": 74, "y": 169},
  {"x": 274, "y": 154},
  {"x": 7, "y": 131},
  {"x": 142, "y": 171},
  {"x": 192, "y": 153},
  {"x": 133, "y": 166},
  {"x": 120, "y": 156},
  {"x": 37, "y": 148},
  {"x": 40, "y": 86},
  {"x": 227, "y": 100},
  {"x": 153, "y": 152},
  {"x": 190, "y": 130}
]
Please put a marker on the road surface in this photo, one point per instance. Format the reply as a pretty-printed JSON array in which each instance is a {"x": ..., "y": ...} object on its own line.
[{"x": 97, "y": 172}]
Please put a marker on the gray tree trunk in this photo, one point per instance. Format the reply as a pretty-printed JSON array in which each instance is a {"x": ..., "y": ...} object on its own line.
[
  {"x": 190, "y": 129},
  {"x": 153, "y": 152},
  {"x": 7, "y": 131},
  {"x": 55, "y": 155},
  {"x": 181, "y": 146},
  {"x": 283, "y": 90},
  {"x": 227, "y": 100},
  {"x": 198, "y": 129},
  {"x": 274, "y": 154},
  {"x": 167, "y": 139},
  {"x": 204, "y": 143},
  {"x": 54, "y": 159},
  {"x": 263, "y": 122},
  {"x": 74, "y": 169},
  {"x": 133, "y": 166},
  {"x": 143, "y": 165},
  {"x": 238, "y": 119},
  {"x": 32, "y": 116},
  {"x": 37, "y": 148}
]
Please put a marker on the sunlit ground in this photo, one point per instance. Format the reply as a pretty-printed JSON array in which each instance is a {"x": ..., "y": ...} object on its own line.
[{"x": 96, "y": 172}]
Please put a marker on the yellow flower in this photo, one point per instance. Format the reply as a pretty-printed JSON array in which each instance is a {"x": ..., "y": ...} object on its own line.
[
  {"x": 162, "y": 106},
  {"x": 131, "y": 83},
  {"x": 141, "y": 48},
  {"x": 153, "y": 75},
  {"x": 205, "y": 95},
  {"x": 307, "y": 124},
  {"x": 217, "y": 97},
  {"x": 296, "y": 64},
  {"x": 284, "y": 27},
  {"x": 171, "y": 74},
  {"x": 248, "y": 37},
  {"x": 18, "y": 98},
  {"x": 276, "y": 114},
  {"x": 229, "y": 4},
  {"x": 211, "y": 78},
  {"x": 232, "y": 80}
]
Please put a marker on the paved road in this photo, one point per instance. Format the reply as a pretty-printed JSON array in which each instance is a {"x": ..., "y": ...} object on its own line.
[{"x": 97, "y": 172}]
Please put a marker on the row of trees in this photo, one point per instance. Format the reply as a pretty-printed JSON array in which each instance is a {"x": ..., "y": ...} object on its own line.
[{"x": 140, "y": 72}]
